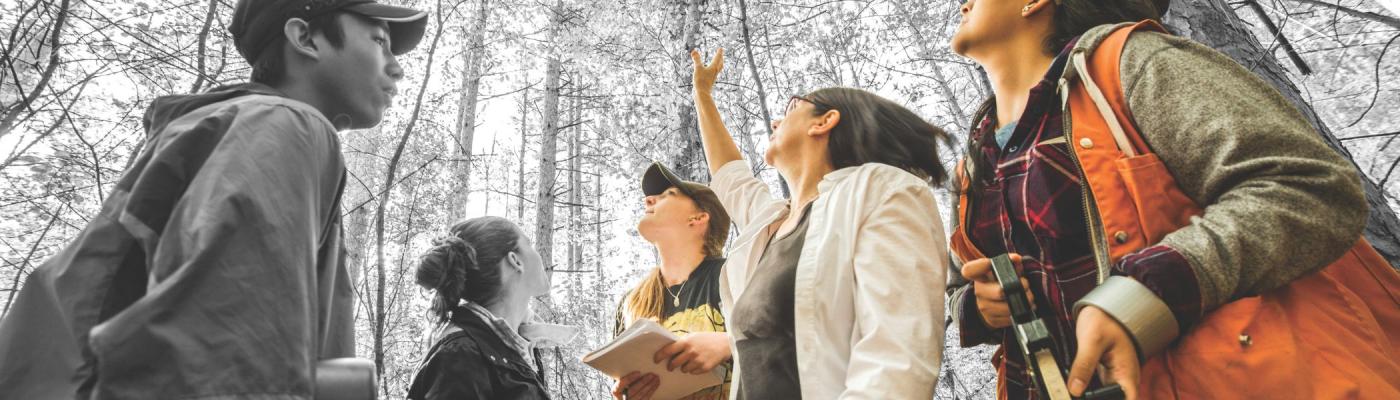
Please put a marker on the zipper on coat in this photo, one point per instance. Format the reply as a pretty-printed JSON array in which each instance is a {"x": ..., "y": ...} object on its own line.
[{"x": 1091, "y": 215}]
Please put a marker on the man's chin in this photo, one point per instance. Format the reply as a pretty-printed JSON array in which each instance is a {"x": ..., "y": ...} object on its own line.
[{"x": 347, "y": 122}]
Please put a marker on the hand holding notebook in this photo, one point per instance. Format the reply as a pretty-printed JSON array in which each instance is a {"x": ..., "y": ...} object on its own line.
[{"x": 633, "y": 351}]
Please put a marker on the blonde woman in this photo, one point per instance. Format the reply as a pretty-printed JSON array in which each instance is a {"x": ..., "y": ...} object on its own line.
[{"x": 686, "y": 223}]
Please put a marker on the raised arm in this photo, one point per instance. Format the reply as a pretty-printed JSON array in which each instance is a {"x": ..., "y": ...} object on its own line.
[{"x": 719, "y": 146}]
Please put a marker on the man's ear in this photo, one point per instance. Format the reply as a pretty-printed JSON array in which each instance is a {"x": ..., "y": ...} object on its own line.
[
  {"x": 300, "y": 38},
  {"x": 825, "y": 123}
]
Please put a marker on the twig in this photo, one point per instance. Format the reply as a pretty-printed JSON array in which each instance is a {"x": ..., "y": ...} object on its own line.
[
  {"x": 1278, "y": 35},
  {"x": 1377, "y": 93},
  {"x": 1376, "y": 135}
]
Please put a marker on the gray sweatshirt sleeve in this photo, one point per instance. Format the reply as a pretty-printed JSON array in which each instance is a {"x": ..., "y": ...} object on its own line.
[{"x": 1279, "y": 203}]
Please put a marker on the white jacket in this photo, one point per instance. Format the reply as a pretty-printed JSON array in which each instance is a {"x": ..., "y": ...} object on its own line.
[{"x": 869, "y": 291}]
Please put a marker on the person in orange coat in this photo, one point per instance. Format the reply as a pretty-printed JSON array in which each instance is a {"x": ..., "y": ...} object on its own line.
[{"x": 1176, "y": 219}]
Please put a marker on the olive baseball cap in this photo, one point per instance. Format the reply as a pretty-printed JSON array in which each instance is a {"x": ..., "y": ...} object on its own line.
[
  {"x": 658, "y": 178},
  {"x": 258, "y": 23}
]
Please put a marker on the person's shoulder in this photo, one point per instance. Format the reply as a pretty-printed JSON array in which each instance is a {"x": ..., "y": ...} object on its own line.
[
  {"x": 710, "y": 268},
  {"x": 880, "y": 178},
  {"x": 270, "y": 108},
  {"x": 462, "y": 346},
  {"x": 1144, "y": 45}
]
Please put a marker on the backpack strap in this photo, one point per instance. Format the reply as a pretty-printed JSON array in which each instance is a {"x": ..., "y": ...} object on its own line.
[{"x": 1102, "y": 80}]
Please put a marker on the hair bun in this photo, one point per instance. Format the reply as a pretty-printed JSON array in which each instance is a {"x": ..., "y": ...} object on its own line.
[
  {"x": 459, "y": 249},
  {"x": 443, "y": 268}
]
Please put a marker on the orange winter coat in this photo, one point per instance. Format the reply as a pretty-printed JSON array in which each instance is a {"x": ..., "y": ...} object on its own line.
[{"x": 1330, "y": 334}]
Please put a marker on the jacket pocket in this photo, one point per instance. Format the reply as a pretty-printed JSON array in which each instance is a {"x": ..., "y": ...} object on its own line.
[{"x": 1161, "y": 206}]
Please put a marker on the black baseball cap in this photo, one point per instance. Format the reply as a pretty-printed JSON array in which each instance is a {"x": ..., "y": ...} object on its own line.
[
  {"x": 658, "y": 178},
  {"x": 258, "y": 23}
]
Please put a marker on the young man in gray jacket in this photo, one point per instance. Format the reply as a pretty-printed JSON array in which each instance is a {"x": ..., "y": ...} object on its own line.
[{"x": 214, "y": 269}]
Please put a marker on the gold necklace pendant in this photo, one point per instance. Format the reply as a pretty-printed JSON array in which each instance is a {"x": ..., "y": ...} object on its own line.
[{"x": 676, "y": 296}]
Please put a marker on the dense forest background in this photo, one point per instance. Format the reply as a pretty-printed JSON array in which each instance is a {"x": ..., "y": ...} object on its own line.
[{"x": 546, "y": 112}]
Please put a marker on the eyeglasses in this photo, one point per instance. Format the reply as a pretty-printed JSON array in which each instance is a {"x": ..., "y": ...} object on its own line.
[{"x": 792, "y": 103}]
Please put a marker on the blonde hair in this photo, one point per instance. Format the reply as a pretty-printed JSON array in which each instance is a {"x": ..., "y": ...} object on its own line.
[{"x": 647, "y": 300}]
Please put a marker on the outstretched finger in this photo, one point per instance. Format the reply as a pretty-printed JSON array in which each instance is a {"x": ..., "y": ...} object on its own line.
[
  {"x": 717, "y": 63},
  {"x": 695, "y": 58}
]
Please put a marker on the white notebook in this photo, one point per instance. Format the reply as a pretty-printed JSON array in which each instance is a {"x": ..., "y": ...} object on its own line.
[{"x": 633, "y": 351}]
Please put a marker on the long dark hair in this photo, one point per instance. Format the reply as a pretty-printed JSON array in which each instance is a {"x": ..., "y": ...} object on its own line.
[
  {"x": 465, "y": 264},
  {"x": 1071, "y": 19},
  {"x": 875, "y": 129}
]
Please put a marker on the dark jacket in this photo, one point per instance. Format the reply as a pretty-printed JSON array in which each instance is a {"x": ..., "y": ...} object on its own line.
[
  {"x": 475, "y": 363},
  {"x": 213, "y": 270}
]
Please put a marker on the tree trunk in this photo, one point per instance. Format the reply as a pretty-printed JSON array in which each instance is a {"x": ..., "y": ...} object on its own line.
[
  {"x": 466, "y": 115},
  {"x": 753, "y": 68},
  {"x": 203, "y": 41},
  {"x": 520, "y": 155},
  {"x": 487, "y": 173},
  {"x": 690, "y": 162},
  {"x": 575, "y": 187},
  {"x": 1213, "y": 23},
  {"x": 544, "y": 200},
  {"x": 380, "y": 313}
]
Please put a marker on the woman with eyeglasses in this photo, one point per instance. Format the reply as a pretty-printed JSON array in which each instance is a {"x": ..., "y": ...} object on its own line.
[
  {"x": 1177, "y": 220},
  {"x": 837, "y": 291}
]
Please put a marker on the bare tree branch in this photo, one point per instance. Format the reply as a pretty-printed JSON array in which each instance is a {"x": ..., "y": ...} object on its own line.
[{"x": 1367, "y": 15}]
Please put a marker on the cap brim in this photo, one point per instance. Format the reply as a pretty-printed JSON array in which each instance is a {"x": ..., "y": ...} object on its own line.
[
  {"x": 406, "y": 25},
  {"x": 658, "y": 178}
]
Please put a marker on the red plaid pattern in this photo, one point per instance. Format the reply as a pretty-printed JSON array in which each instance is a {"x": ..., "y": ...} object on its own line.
[{"x": 1033, "y": 206}]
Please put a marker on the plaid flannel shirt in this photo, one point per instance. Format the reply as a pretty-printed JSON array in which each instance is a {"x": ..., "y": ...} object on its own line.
[{"x": 1033, "y": 206}]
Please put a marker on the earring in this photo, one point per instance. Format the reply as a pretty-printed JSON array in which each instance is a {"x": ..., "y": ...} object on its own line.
[{"x": 1026, "y": 9}]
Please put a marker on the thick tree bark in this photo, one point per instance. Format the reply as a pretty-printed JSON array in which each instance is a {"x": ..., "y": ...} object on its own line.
[
  {"x": 1213, "y": 23},
  {"x": 466, "y": 115},
  {"x": 690, "y": 162},
  {"x": 549, "y": 133}
]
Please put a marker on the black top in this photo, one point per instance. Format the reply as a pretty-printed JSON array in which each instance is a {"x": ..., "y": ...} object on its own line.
[
  {"x": 699, "y": 303},
  {"x": 698, "y": 311},
  {"x": 763, "y": 325},
  {"x": 474, "y": 363}
]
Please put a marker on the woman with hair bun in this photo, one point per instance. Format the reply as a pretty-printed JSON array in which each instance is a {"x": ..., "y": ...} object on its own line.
[{"x": 484, "y": 274}]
